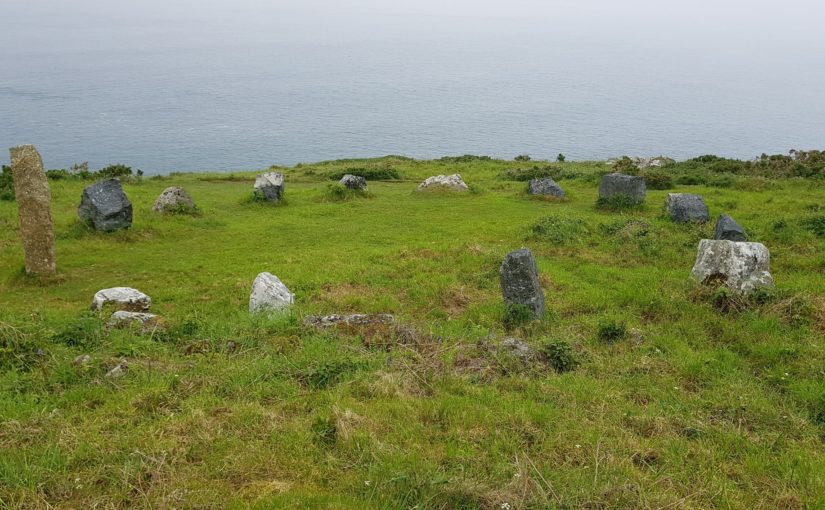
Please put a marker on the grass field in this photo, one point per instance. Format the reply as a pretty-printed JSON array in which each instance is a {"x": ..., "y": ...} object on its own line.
[{"x": 679, "y": 397}]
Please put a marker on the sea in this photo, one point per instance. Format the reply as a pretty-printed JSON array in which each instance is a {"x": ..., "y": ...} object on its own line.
[{"x": 225, "y": 86}]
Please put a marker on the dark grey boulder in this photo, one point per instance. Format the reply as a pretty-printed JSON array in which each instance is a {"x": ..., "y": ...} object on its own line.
[
  {"x": 686, "y": 207},
  {"x": 105, "y": 206},
  {"x": 520, "y": 283},
  {"x": 729, "y": 230},
  {"x": 354, "y": 182},
  {"x": 630, "y": 186},
  {"x": 545, "y": 186},
  {"x": 269, "y": 186}
]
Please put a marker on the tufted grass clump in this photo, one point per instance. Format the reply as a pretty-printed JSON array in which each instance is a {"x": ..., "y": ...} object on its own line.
[
  {"x": 610, "y": 331},
  {"x": 560, "y": 355},
  {"x": 337, "y": 192},
  {"x": 558, "y": 230},
  {"x": 619, "y": 203}
]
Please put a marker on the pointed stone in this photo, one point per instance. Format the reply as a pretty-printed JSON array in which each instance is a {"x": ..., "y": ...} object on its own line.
[
  {"x": 520, "y": 283},
  {"x": 34, "y": 206},
  {"x": 727, "y": 229},
  {"x": 269, "y": 294}
]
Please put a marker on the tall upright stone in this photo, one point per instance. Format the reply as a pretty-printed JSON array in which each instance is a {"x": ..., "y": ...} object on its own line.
[
  {"x": 34, "y": 206},
  {"x": 520, "y": 284}
]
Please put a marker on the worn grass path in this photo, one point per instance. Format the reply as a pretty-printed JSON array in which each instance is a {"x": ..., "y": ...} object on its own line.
[{"x": 695, "y": 407}]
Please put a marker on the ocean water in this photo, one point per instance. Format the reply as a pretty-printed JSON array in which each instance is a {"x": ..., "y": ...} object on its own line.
[{"x": 234, "y": 86}]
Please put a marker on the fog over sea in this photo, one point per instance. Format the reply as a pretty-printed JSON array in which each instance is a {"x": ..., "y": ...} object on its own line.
[{"x": 221, "y": 85}]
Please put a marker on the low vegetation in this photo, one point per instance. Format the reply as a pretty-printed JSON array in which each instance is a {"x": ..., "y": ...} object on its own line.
[{"x": 645, "y": 391}]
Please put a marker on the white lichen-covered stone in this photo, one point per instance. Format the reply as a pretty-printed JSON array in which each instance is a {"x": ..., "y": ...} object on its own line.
[
  {"x": 123, "y": 319},
  {"x": 356, "y": 319},
  {"x": 744, "y": 267},
  {"x": 269, "y": 186},
  {"x": 269, "y": 294},
  {"x": 444, "y": 182},
  {"x": 174, "y": 200},
  {"x": 122, "y": 298}
]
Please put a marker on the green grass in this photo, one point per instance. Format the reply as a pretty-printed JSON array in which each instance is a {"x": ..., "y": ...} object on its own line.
[{"x": 649, "y": 392}]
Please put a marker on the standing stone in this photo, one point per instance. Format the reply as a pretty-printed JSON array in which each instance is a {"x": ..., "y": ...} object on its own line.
[
  {"x": 744, "y": 267},
  {"x": 727, "y": 229},
  {"x": 444, "y": 182},
  {"x": 269, "y": 186},
  {"x": 355, "y": 182},
  {"x": 174, "y": 199},
  {"x": 34, "y": 207},
  {"x": 269, "y": 294},
  {"x": 105, "y": 206},
  {"x": 685, "y": 207},
  {"x": 520, "y": 283},
  {"x": 630, "y": 186},
  {"x": 545, "y": 186}
]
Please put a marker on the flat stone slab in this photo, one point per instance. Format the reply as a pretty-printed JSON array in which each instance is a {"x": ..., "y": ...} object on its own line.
[
  {"x": 520, "y": 283},
  {"x": 545, "y": 186},
  {"x": 355, "y": 182},
  {"x": 105, "y": 206},
  {"x": 270, "y": 186},
  {"x": 444, "y": 182},
  {"x": 356, "y": 319},
  {"x": 727, "y": 229},
  {"x": 173, "y": 199},
  {"x": 269, "y": 294},
  {"x": 124, "y": 319},
  {"x": 122, "y": 298},
  {"x": 630, "y": 186},
  {"x": 686, "y": 207},
  {"x": 744, "y": 267}
]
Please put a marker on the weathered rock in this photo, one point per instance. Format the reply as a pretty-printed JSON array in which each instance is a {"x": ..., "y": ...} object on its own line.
[
  {"x": 270, "y": 186},
  {"x": 354, "y": 182},
  {"x": 444, "y": 182},
  {"x": 122, "y": 298},
  {"x": 520, "y": 283},
  {"x": 685, "y": 207},
  {"x": 34, "y": 205},
  {"x": 119, "y": 370},
  {"x": 174, "y": 199},
  {"x": 83, "y": 359},
  {"x": 518, "y": 349},
  {"x": 269, "y": 294},
  {"x": 545, "y": 186},
  {"x": 357, "y": 319},
  {"x": 744, "y": 267},
  {"x": 616, "y": 184},
  {"x": 727, "y": 229},
  {"x": 654, "y": 162},
  {"x": 124, "y": 319},
  {"x": 105, "y": 206}
]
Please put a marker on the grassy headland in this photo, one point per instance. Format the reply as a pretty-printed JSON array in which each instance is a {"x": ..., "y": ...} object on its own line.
[{"x": 678, "y": 397}]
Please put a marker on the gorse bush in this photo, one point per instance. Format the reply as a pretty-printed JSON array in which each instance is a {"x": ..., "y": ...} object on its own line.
[
  {"x": 6, "y": 184},
  {"x": 466, "y": 158},
  {"x": 625, "y": 165},
  {"x": 81, "y": 172},
  {"x": 522, "y": 157},
  {"x": 370, "y": 174},
  {"x": 657, "y": 180}
]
